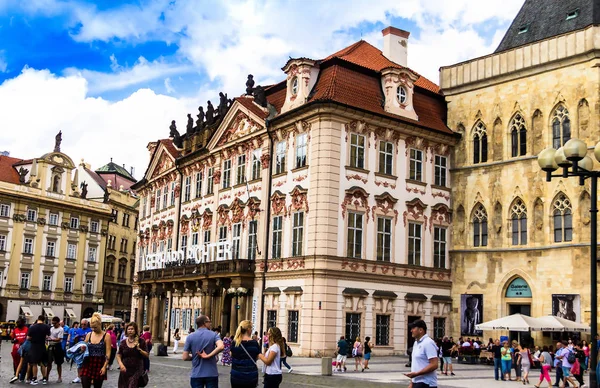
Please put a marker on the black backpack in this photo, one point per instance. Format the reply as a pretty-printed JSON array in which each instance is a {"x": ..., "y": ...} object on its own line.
[
  {"x": 288, "y": 351},
  {"x": 571, "y": 357},
  {"x": 162, "y": 350}
]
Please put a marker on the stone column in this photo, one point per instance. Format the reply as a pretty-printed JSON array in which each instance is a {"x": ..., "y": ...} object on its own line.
[
  {"x": 154, "y": 320},
  {"x": 208, "y": 288},
  {"x": 140, "y": 312}
]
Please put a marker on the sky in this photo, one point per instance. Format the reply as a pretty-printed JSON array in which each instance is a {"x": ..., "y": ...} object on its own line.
[{"x": 112, "y": 74}]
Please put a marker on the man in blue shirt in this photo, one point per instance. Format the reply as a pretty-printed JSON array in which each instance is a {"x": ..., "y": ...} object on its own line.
[
  {"x": 424, "y": 358},
  {"x": 65, "y": 335},
  {"x": 72, "y": 334},
  {"x": 80, "y": 336},
  {"x": 202, "y": 347}
]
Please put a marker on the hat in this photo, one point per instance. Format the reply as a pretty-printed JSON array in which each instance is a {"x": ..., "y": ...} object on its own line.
[{"x": 419, "y": 323}]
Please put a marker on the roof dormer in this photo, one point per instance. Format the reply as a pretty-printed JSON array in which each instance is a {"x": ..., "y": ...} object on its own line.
[
  {"x": 398, "y": 86},
  {"x": 301, "y": 77}
]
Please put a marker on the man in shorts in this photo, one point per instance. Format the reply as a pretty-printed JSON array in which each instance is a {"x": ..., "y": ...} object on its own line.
[
  {"x": 342, "y": 351},
  {"x": 37, "y": 354},
  {"x": 446, "y": 355},
  {"x": 55, "y": 351},
  {"x": 566, "y": 365}
]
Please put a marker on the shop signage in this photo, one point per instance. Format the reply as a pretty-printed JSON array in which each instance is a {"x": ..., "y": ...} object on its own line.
[
  {"x": 44, "y": 303},
  {"x": 518, "y": 288},
  {"x": 195, "y": 254}
]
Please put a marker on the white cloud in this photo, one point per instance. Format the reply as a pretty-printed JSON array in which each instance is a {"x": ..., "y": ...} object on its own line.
[
  {"x": 93, "y": 128},
  {"x": 3, "y": 64},
  {"x": 168, "y": 86},
  {"x": 142, "y": 71}
]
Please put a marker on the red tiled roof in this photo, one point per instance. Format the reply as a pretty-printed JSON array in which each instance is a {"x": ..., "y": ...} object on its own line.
[
  {"x": 277, "y": 98},
  {"x": 363, "y": 54},
  {"x": 354, "y": 88},
  {"x": 248, "y": 103},
  {"x": 168, "y": 143},
  {"x": 7, "y": 172}
]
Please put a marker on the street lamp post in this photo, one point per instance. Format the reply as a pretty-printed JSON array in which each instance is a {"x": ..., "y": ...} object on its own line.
[{"x": 573, "y": 160}]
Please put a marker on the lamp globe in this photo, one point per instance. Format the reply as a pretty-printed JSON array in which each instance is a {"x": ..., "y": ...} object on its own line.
[
  {"x": 561, "y": 159},
  {"x": 575, "y": 149},
  {"x": 546, "y": 160}
]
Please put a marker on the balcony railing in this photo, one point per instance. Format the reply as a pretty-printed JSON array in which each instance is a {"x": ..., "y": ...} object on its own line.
[{"x": 198, "y": 270}]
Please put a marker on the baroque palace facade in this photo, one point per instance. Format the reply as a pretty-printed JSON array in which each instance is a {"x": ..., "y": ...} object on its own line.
[
  {"x": 333, "y": 186},
  {"x": 52, "y": 240},
  {"x": 521, "y": 244}
]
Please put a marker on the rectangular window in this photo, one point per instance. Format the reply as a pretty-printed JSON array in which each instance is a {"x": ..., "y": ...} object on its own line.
[
  {"x": 252, "y": 243},
  {"x": 281, "y": 150},
  {"x": 71, "y": 251},
  {"x": 441, "y": 170},
  {"x": 241, "y": 170},
  {"x": 25, "y": 276},
  {"x": 144, "y": 206},
  {"x": 4, "y": 210},
  {"x": 28, "y": 246},
  {"x": 210, "y": 181},
  {"x": 169, "y": 245},
  {"x": 439, "y": 327},
  {"x": 94, "y": 226},
  {"x": 292, "y": 326},
  {"x": 173, "y": 185},
  {"x": 297, "y": 234},
  {"x": 382, "y": 330},
  {"x": 198, "y": 184},
  {"x": 384, "y": 239},
  {"x": 184, "y": 239},
  {"x": 50, "y": 248},
  {"x": 226, "y": 179},
  {"x": 355, "y": 232},
  {"x": 89, "y": 286},
  {"x": 187, "y": 188},
  {"x": 157, "y": 204},
  {"x": 414, "y": 243},
  {"x": 47, "y": 283},
  {"x": 74, "y": 222},
  {"x": 222, "y": 239},
  {"x": 165, "y": 196},
  {"x": 416, "y": 165},
  {"x": 256, "y": 165},
  {"x": 92, "y": 253},
  {"x": 53, "y": 220},
  {"x": 352, "y": 326},
  {"x": 277, "y": 236},
  {"x": 271, "y": 318},
  {"x": 68, "y": 284},
  {"x": 236, "y": 240},
  {"x": 439, "y": 247},
  {"x": 301, "y": 149},
  {"x": 194, "y": 238},
  {"x": 357, "y": 150},
  {"x": 31, "y": 215},
  {"x": 206, "y": 237},
  {"x": 386, "y": 157},
  {"x": 2, "y": 243}
]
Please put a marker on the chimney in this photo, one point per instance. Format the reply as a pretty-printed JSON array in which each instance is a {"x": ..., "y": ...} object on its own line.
[{"x": 395, "y": 42}]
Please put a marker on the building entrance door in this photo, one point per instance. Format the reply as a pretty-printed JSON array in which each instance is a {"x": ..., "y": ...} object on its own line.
[{"x": 520, "y": 336}]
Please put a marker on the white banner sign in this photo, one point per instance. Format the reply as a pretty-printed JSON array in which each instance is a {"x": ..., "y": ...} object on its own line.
[{"x": 206, "y": 253}]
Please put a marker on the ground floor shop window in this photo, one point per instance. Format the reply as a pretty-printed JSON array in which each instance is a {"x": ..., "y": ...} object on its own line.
[
  {"x": 292, "y": 326},
  {"x": 382, "y": 330},
  {"x": 439, "y": 327},
  {"x": 352, "y": 326},
  {"x": 271, "y": 318}
]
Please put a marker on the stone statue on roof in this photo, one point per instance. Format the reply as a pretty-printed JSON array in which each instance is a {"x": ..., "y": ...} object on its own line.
[
  {"x": 22, "y": 174},
  {"x": 210, "y": 113},
  {"x": 190, "y": 124},
  {"x": 177, "y": 140},
  {"x": 259, "y": 96},
  {"x": 249, "y": 84},
  {"x": 84, "y": 190},
  {"x": 200, "y": 121},
  {"x": 57, "y": 141},
  {"x": 222, "y": 104}
]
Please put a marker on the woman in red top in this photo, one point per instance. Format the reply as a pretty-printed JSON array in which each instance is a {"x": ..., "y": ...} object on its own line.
[
  {"x": 19, "y": 335},
  {"x": 147, "y": 337}
]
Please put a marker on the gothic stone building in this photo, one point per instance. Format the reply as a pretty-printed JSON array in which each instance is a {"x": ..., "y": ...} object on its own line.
[
  {"x": 333, "y": 185},
  {"x": 521, "y": 244}
]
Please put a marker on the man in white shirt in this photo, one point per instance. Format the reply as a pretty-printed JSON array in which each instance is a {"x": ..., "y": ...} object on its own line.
[
  {"x": 55, "y": 351},
  {"x": 424, "y": 358}
]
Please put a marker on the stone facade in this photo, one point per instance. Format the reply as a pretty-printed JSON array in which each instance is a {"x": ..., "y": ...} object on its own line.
[{"x": 530, "y": 87}]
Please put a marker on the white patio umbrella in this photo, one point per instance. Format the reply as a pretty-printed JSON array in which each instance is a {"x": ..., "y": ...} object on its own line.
[
  {"x": 110, "y": 319},
  {"x": 551, "y": 322},
  {"x": 515, "y": 322}
]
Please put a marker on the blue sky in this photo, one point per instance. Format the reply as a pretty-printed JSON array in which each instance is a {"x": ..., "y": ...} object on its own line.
[{"x": 98, "y": 66}]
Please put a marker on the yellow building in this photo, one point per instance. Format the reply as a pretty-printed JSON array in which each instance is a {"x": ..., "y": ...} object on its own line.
[
  {"x": 521, "y": 244},
  {"x": 52, "y": 239}
]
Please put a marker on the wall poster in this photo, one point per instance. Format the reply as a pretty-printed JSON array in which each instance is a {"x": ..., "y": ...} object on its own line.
[
  {"x": 471, "y": 314},
  {"x": 567, "y": 306}
]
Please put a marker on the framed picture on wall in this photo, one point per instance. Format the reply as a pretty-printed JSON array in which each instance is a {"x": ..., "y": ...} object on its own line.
[
  {"x": 471, "y": 314},
  {"x": 567, "y": 306}
]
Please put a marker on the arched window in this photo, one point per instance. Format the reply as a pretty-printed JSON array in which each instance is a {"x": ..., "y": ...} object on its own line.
[
  {"x": 480, "y": 226},
  {"x": 479, "y": 143},
  {"x": 561, "y": 127},
  {"x": 518, "y": 136},
  {"x": 563, "y": 219},
  {"x": 519, "y": 222}
]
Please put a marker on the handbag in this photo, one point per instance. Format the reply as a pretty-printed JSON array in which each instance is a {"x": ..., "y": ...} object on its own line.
[{"x": 143, "y": 380}]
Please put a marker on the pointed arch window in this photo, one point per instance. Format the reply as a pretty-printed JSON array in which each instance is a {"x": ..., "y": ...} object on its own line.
[
  {"x": 563, "y": 219},
  {"x": 561, "y": 127},
  {"x": 518, "y": 136},
  {"x": 519, "y": 223},
  {"x": 480, "y": 226},
  {"x": 480, "y": 143}
]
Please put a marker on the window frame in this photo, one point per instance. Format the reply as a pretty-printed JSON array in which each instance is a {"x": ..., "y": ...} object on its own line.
[
  {"x": 47, "y": 280},
  {"x": 94, "y": 226},
  {"x": 353, "y": 249},
  {"x": 50, "y": 248},
  {"x": 401, "y": 95},
  {"x": 5, "y": 210},
  {"x": 198, "y": 193},
  {"x": 226, "y": 178},
  {"x": 53, "y": 219},
  {"x": 74, "y": 221},
  {"x": 301, "y": 150},
  {"x": 271, "y": 318},
  {"x": 236, "y": 240},
  {"x": 210, "y": 181},
  {"x": 157, "y": 200},
  {"x": 71, "y": 248},
  {"x": 31, "y": 215},
  {"x": 280, "y": 157},
  {"x": 415, "y": 170},
  {"x": 3, "y": 240},
  {"x": 357, "y": 150},
  {"x": 28, "y": 244},
  {"x": 89, "y": 286},
  {"x": 440, "y": 175},
  {"x": 241, "y": 170},
  {"x": 252, "y": 239},
  {"x": 93, "y": 254},
  {"x": 25, "y": 277},
  {"x": 414, "y": 256},
  {"x": 440, "y": 245},
  {"x": 382, "y": 329},
  {"x": 353, "y": 322},
  {"x": 386, "y": 157},
  {"x": 256, "y": 165},
  {"x": 384, "y": 248},
  {"x": 293, "y": 325},
  {"x": 68, "y": 284},
  {"x": 297, "y": 233},
  {"x": 277, "y": 234},
  {"x": 187, "y": 188}
]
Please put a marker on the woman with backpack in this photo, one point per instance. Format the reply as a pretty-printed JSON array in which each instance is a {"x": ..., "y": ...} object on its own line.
[
  {"x": 367, "y": 357},
  {"x": 287, "y": 353},
  {"x": 357, "y": 353}
]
